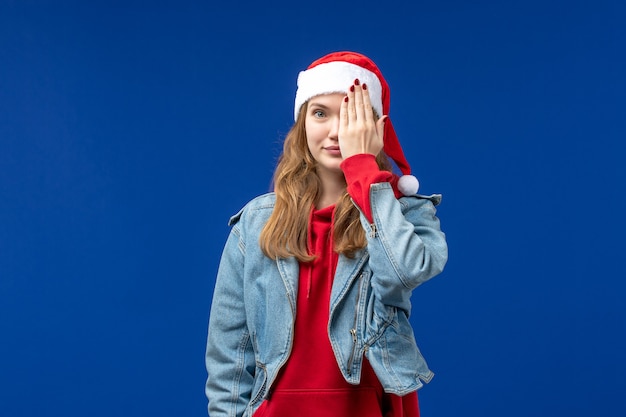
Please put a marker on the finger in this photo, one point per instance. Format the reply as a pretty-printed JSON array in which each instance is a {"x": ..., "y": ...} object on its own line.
[
  {"x": 367, "y": 104},
  {"x": 358, "y": 100},
  {"x": 351, "y": 105},
  {"x": 380, "y": 127},
  {"x": 343, "y": 114}
]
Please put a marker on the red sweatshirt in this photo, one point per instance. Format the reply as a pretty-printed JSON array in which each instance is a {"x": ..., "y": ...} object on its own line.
[{"x": 311, "y": 384}]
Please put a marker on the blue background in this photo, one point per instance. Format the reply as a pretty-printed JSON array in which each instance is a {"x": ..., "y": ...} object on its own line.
[{"x": 131, "y": 130}]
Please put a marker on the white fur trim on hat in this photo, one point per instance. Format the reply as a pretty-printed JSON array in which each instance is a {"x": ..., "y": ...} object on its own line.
[{"x": 336, "y": 77}]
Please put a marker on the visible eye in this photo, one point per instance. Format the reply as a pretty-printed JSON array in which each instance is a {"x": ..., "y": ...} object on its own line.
[{"x": 319, "y": 114}]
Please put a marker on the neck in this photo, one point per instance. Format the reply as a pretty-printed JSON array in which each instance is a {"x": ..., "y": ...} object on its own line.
[{"x": 333, "y": 187}]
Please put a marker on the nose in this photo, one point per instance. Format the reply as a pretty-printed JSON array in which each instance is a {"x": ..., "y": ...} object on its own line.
[{"x": 333, "y": 133}]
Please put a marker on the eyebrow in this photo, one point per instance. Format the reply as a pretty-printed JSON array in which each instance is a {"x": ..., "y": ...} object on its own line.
[{"x": 316, "y": 104}]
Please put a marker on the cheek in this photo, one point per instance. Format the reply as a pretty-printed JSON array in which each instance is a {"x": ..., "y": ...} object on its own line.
[{"x": 314, "y": 133}]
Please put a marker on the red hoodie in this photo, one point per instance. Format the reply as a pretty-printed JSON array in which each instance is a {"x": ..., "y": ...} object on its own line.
[{"x": 311, "y": 384}]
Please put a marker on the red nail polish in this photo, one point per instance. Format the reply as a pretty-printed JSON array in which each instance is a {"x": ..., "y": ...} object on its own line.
[
  {"x": 345, "y": 99},
  {"x": 356, "y": 82},
  {"x": 352, "y": 88},
  {"x": 364, "y": 86}
]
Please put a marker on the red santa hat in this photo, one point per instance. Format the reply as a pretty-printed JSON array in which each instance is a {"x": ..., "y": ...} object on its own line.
[{"x": 335, "y": 73}]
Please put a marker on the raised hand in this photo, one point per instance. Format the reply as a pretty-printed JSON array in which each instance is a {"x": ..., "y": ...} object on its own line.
[{"x": 359, "y": 131}]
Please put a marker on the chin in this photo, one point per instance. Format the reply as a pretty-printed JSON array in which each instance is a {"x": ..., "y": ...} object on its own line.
[{"x": 334, "y": 168}]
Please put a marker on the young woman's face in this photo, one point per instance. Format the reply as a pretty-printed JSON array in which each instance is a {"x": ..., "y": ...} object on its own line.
[{"x": 322, "y": 127}]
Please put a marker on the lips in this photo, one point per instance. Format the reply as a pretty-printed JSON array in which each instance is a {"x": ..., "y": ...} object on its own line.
[{"x": 333, "y": 151}]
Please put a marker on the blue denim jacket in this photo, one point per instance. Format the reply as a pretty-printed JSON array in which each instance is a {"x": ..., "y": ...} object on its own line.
[{"x": 254, "y": 303}]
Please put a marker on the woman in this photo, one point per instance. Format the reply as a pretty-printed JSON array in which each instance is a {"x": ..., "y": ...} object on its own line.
[{"x": 312, "y": 297}]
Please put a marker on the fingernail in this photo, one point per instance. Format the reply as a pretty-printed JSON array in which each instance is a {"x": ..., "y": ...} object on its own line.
[
  {"x": 356, "y": 82},
  {"x": 345, "y": 99},
  {"x": 352, "y": 88},
  {"x": 364, "y": 86}
]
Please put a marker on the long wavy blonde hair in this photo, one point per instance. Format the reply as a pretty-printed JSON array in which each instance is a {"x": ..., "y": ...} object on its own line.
[{"x": 297, "y": 187}]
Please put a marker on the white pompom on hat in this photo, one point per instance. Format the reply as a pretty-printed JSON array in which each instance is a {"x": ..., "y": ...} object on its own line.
[{"x": 335, "y": 73}]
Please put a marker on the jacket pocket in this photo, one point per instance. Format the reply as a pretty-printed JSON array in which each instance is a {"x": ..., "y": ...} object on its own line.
[
  {"x": 400, "y": 353},
  {"x": 379, "y": 317},
  {"x": 260, "y": 385}
]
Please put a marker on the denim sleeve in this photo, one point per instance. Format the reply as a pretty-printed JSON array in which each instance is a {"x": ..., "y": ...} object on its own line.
[
  {"x": 405, "y": 242},
  {"x": 230, "y": 359}
]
